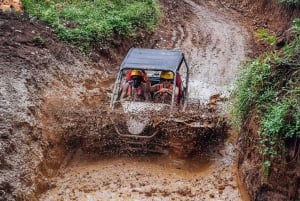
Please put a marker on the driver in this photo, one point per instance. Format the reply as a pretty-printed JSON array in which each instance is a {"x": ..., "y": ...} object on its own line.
[
  {"x": 134, "y": 87},
  {"x": 165, "y": 88}
]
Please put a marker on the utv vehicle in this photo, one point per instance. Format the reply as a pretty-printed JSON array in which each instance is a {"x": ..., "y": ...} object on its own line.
[
  {"x": 153, "y": 62},
  {"x": 140, "y": 113}
]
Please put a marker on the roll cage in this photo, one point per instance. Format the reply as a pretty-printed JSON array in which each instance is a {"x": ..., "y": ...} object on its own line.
[{"x": 153, "y": 61}]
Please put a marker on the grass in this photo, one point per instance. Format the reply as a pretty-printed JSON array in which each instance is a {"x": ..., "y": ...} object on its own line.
[
  {"x": 84, "y": 22},
  {"x": 263, "y": 36}
]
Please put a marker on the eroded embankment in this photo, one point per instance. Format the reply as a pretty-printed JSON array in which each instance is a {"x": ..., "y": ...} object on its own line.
[
  {"x": 37, "y": 79},
  {"x": 283, "y": 181}
]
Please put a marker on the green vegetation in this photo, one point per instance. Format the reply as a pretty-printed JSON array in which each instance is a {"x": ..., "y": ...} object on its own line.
[
  {"x": 269, "y": 88},
  {"x": 290, "y": 2},
  {"x": 263, "y": 36},
  {"x": 84, "y": 22}
]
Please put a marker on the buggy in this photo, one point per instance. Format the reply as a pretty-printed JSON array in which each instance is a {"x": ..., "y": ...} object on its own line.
[{"x": 153, "y": 62}]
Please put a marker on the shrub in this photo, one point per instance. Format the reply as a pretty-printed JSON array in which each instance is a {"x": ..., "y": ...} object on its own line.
[
  {"x": 290, "y": 2},
  {"x": 264, "y": 36},
  {"x": 87, "y": 22},
  {"x": 270, "y": 85}
]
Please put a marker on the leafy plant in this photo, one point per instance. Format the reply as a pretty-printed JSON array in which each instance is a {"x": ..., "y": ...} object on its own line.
[
  {"x": 273, "y": 127},
  {"x": 266, "y": 168},
  {"x": 264, "y": 36},
  {"x": 296, "y": 24},
  {"x": 251, "y": 88}
]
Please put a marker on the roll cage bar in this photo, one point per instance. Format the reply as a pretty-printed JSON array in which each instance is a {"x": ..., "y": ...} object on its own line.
[{"x": 153, "y": 60}]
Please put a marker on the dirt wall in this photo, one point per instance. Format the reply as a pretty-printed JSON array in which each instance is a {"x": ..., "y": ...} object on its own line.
[
  {"x": 40, "y": 76},
  {"x": 275, "y": 18},
  {"x": 266, "y": 13},
  {"x": 284, "y": 180}
]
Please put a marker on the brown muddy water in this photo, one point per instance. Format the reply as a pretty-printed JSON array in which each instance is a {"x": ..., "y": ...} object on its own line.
[{"x": 212, "y": 176}]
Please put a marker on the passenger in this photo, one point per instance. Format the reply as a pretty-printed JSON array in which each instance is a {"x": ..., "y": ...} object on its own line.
[
  {"x": 162, "y": 92},
  {"x": 134, "y": 87}
]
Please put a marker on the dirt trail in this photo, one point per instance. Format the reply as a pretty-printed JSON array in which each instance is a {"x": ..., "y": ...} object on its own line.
[
  {"x": 222, "y": 47},
  {"x": 215, "y": 44}
]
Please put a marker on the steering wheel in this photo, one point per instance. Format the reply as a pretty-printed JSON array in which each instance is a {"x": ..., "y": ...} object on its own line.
[{"x": 162, "y": 97}]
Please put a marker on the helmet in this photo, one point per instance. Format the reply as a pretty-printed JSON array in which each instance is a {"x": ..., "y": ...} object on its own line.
[
  {"x": 136, "y": 72},
  {"x": 136, "y": 78},
  {"x": 167, "y": 75}
]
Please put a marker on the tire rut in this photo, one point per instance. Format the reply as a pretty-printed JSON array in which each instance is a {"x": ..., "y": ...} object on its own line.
[{"x": 217, "y": 52}]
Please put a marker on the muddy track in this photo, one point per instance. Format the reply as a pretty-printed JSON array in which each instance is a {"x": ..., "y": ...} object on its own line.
[
  {"x": 222, "y": 47},
  {"x": 215, "y": 44}
]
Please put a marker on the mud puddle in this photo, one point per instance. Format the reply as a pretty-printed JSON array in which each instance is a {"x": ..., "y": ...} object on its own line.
[{"x": 209, "y": 176}]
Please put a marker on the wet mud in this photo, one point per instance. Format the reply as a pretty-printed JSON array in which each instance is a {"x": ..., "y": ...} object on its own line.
[{"x": 148, "y": 177}]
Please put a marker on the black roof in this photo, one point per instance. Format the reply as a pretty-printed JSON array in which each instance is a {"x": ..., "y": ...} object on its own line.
[{"x": 152, "y": 59}]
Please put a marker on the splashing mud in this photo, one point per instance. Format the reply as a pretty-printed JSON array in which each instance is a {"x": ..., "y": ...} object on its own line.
[{"x": 181, "y": 132}]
